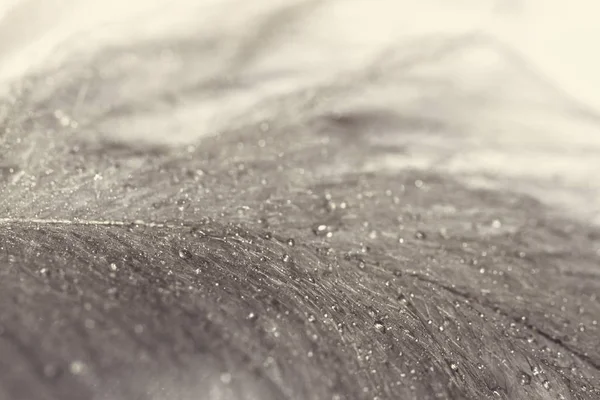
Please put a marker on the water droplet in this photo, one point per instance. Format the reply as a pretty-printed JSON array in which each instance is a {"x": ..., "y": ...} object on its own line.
[
  {"x": 402, "y": 299},
  {"x": 195, "y": 232},
  {"x": 199, "y": 172},
  {"x": 322, "y": 230},
  {"x": 524, "y": 378},
  {"x": 311, "y": 318},
  {"x": 454, "y": 366},
  {"x": 291, "y": 242},
  {"x": 420, "y": 235},
  {"x": 286, "y": 258},
  {"x": 372, "y": 311},
  {"x": 546, "y": 385},
  {"x": 113, "y": 266},
  {"x": 185, "y": 254},
  {"x": 76, "y": 367},
  {"x": 380, "y": 327},
  {"x": 252, "y": 316}
]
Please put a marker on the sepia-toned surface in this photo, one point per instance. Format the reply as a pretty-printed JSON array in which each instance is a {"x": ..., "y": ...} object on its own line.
[{"x": 268, "y": 200}]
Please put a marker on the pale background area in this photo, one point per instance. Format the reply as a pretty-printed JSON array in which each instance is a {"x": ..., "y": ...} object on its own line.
[
  {"x": 559, "y": 37},
  {"x": 539, "y": 65}
]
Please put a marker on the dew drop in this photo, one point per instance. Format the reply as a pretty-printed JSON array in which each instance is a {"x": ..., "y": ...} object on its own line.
[
  {"x": 185, "y": 254},
  {"x": 420, "y": 235},
  {"x": 195, "y": 232},
  {"x": 113, "y": 266},
  {"x": 291, "y": 242},
  {"x": 546, "y": 385},
  {"x": 200, "y": 172},
  {"x": 380, "y": 327},
  {"x": 322, "y": 230},
  {"x": 286, "y": 258},
  {"x": 311, "y": 318},
  {"x": 402, "y": 299},
  {"x": 524, "y": 378},
  {"x": 372, "y": 311},
  {"x": 252, "y": 316},
  {"x": 76, "y": 367}
]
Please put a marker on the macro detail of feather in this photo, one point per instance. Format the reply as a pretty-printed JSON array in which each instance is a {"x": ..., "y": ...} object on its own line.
[{"x": 270, "y": 204}]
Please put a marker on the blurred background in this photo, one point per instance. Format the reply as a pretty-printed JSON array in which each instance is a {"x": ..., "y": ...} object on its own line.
[
  {"x": 513, "y": 83},
  {"x": 559, "y": 38}
]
